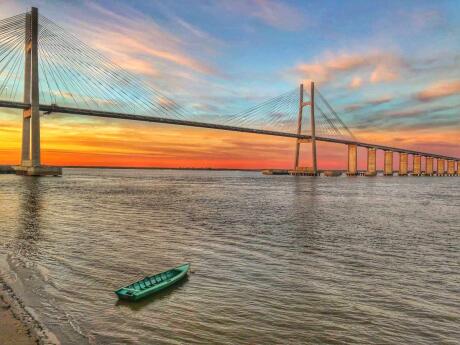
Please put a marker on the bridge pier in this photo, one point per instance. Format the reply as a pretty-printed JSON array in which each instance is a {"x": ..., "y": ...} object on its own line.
[
  {"x": 450, "y": 167},
  {"x": 440, "y": 167},
  {"x": 429, "y": 166},
  {"x": 388, "y": 164},
  {"x": 417, "y": 165},
  {"x": 352, "y": 160},
  {"x": 30, "y": 151},
  {"x": 371, "y": 162},
  {"x": 403, "y": 164}
]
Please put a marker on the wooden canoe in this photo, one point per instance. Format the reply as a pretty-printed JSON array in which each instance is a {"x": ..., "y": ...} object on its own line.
[{"x": 152, "y": 284}]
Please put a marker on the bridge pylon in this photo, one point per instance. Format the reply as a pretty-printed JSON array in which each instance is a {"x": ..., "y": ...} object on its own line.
[
  {"x": 30, "y": 151},
  {"x": 314, "y": 169}
]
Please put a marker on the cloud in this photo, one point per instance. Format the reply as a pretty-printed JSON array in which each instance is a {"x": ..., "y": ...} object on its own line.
[
  {"x": 120, "y": 43},
  {"x": 278, "y": 14},
  {"x": 353, "y": 107},
  {"x": 356, "y": 83},
  {"x": 380, "y": 67},
  {"x": 163, "y": 49},
  {"x": 368, "y": 103},
  {"x": 382, "y": 73},
  {"x": 378, "y": 101},
  {"x": 142, "y": 38},
  {"x": 274, "y": 13},
  {"x": 411, "y": 117},
  {"x": 439, "y": 90}
]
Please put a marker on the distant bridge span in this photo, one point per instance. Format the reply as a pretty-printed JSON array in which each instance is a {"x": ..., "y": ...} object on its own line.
[{"x": 134, "y": 117}]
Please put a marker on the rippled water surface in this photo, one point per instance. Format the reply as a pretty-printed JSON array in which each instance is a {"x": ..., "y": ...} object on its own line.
[{"x": 275, "y": 259}]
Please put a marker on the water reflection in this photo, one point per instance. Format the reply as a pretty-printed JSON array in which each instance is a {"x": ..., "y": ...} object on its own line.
[{"x": 29, "y": 234}]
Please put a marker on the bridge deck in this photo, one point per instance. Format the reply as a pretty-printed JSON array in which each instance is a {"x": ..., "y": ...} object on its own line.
[{"x": 88, "y": 112}]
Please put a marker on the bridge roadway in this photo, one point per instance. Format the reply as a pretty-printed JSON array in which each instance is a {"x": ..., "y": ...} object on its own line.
[{"x": 113, "y": 115}]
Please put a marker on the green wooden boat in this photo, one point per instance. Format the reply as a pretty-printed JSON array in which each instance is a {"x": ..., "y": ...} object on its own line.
[{"x": 150, "y": 285}]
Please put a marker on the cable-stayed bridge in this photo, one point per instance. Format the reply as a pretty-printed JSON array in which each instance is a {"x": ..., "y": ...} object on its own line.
[{"x": 44, "y": 70}]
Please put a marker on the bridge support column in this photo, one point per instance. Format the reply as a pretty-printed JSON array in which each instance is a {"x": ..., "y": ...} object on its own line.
[
  {"x": 429, "y": 166},
  {"x": 313, "y": 128},
  {"x": 417, "y": 165},
  {"x": 352, "y": 160},
  {"x": 297, "y": 169},
  {"x": 450, "y": 167},
  {"x": 371, "y": 162},
  {"x": 403, "y": 164},
  {"x": 388, "y": 164},
  {"x": 441, "y": 167},
  {"x": 299, "y": 129},
  {"x": 25, "y": 150},
  {"x": 30, "y": 152}
]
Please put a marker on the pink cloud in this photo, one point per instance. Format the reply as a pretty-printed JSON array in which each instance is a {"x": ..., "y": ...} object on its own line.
[
  {"x": 381, "y": 67},
  {"x": 119, "y": 43},
  {"x": 383, "y": 73},
  {"x": 137, "y": 43},
  {"x": 356, "y": 83},
  {"x": 439, "y": 90}
]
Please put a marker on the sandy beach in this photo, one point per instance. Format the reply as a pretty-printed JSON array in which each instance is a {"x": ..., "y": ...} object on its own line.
[{"x": 12, "y": 331}]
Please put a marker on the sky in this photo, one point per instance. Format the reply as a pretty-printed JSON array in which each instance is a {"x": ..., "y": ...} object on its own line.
[{"x": 391, "y": 69}]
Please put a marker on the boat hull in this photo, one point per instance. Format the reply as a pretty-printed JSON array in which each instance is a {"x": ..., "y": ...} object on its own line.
[{"x": 153, "y": 284}]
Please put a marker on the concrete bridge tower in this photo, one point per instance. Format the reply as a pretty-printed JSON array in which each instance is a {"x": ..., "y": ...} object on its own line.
[
  {"x": 314, "y": 169},
  {"x": 30, "y": 151}
]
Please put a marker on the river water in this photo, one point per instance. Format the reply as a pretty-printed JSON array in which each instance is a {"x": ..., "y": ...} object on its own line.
[{"x": 275, "y": 259}]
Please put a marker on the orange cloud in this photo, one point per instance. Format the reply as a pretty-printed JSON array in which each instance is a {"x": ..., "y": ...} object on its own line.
[
  {"x": 136, "y": 42},
  {"x": 123, "y": 45},
  {"x": 383, "y": 73},
  {"x": 439, "y": 90},
  {"x": 322, "y": 71},
  {"x": 356, "y": 83},
  {"x": 382, "y": 67}
]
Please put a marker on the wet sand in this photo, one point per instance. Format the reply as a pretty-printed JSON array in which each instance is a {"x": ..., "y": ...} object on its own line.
[
  {"x": 12, "y": 331},
  {"x": 18, "y": 323}
]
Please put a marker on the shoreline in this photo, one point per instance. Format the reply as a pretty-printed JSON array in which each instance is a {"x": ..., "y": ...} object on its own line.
[
  {"x": 12, "y": 330},
  {"x": 18, "y": 324}
]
